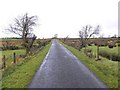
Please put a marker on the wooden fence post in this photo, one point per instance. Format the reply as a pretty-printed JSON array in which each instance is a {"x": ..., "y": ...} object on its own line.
[
  {"x": 98, "y": 53},
  {"x": 14, "y": 56},
  {"x": 4, "y": 62}
]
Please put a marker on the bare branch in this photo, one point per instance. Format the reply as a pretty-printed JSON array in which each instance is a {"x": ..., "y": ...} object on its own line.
[
  {"x": 87, "y": 32},
  {"x": 23, "y": 26}
]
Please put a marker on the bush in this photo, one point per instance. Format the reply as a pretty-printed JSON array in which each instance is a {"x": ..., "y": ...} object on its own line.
[
  {"x": 104, "y": 44},
  {"x": 112, "y": 56},
  {"x": 115, "y": 57},
  {"x": 110, "y": 46},
  {"x": 105, "y": 54},
  {"x": 1, "y": 48},
  {"x": 95, "y": 44},
  {"x": 115, "y": 45},
  {"x": 89, "y": 44},
  {"x": 44, "y": 43},
  {"x": 108, "y": 56},
  {"x": 10, "y": 48},
  {"x": 118, "y": 44},
  {"x": 102, "y": 53}
]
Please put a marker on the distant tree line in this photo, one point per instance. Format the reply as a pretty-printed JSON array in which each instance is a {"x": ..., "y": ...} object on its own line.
[{"x": 12, "y": 38}]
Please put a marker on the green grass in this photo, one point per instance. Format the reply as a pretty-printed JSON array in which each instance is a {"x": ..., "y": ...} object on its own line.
[
  {"x": 9, "y": 55},
  {"x": 23, "y": 73},
  {"x": 104, "y": 48},
  {"x": 105, "y": 69}
]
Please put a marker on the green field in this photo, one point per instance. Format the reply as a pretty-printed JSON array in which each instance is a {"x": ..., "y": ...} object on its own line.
[
  {"x": 8, "y": 39},
  {"x": 21, "y": 75},
  {"x": 104, "y": 69},
  {"x": 9, "y": 55},
  {"x": 104, "y": 48}
]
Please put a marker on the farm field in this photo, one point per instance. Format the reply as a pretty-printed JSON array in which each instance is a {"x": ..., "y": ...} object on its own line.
[
  {"x": 9, "y": 39},
  {"x": 21, "y": 75},
  {"x": 9, "y": 55},
  {"x": 16, "y": 42},
  {"x": 23, "y": 62},
  {"x": 105, "y": 69},
  {"x": 106, "y": 48},
  {"x": 20, "y": 53}
]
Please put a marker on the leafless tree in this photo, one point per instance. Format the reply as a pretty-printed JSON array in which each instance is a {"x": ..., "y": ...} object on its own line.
[
  {"x": 23, "y": 26},
  {"x": 56, "y": 35},
  {"x": 81, "y": 35},
  {"x": 86, "y": 33},
  {"x": 66, "y": 38}
]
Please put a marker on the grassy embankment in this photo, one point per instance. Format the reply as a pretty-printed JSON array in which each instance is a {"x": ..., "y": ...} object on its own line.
[
  {"x": 104, "y": 69},
  {"x": 23, "y": 73}
]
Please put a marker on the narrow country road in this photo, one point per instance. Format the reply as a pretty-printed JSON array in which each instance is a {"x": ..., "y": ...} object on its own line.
[{"x": 61, "y": 69}]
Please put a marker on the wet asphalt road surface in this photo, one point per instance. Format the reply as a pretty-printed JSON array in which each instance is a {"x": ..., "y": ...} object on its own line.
[{"x": 61, "y": 69}]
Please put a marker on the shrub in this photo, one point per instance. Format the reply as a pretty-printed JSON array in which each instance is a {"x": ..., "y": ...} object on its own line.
[
  {"x": 115, "y": 45},
  {"x": 95, "y": 44},
  {"x": 115, "y": 57},
  {"x": 11, "y": 48},
  {"x": 103, "y": 44},
  {"x": 110, "y": 56},
  {"x": 102, "y": 53},
  {"x": 89, "y": 45},
  {"x": 105, "y": 54},
  {"x": 110, "y": 46},
  {"x": 118, "y": 44},
  {"x": 1, "y": 48}
]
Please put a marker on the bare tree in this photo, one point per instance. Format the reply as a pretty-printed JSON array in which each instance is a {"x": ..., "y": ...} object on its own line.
[
  {"x": 56, "y": 35},
  {"x": 81, "y": 35},
  {"x": 23, "y": 26},
  {"x": 66, "y": 38},
  {"x": 86, "y": 33}
]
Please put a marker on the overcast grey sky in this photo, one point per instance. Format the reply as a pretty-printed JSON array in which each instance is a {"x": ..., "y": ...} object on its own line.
[{"x": 62, "y": 17}]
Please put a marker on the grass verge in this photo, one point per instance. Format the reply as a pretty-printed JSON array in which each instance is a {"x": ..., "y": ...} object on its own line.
[
  {"x": 104, "y": 69},
  {"x": 23, "y": 73}
]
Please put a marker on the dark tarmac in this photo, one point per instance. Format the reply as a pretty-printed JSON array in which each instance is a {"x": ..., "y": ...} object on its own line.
[{"x": 61, "y": 69}]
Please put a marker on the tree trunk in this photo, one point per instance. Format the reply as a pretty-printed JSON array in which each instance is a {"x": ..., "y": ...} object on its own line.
[{"x": 27, "y": 50}]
